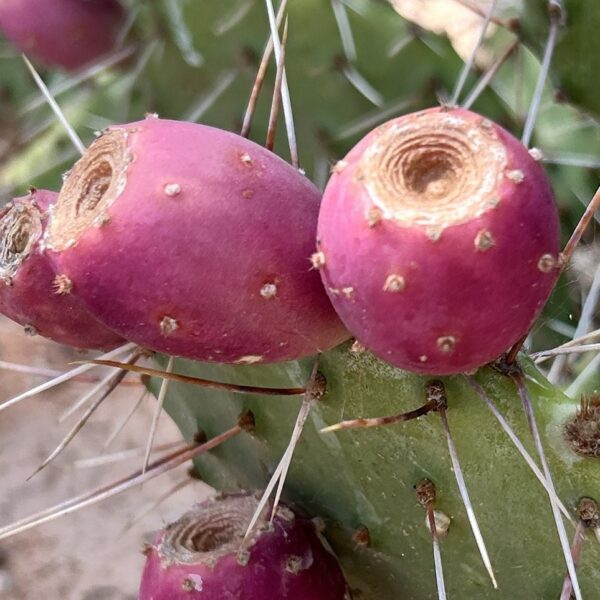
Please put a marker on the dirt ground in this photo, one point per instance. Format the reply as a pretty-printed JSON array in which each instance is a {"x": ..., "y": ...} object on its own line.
[{"x": 95, "y": 553}]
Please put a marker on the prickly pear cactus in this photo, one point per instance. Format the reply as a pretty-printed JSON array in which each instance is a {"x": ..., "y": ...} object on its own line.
[
  {"x": 197, "y": 61},
  {"x": 363, "y": 481},
  {"x": 366, "y": 478}
]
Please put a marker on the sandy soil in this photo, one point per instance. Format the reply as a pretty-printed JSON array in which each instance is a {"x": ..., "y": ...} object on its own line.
[{"x": 93, "y": 554}]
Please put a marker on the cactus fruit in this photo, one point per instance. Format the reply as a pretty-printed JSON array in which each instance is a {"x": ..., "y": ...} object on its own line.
[
  {"x": 194, "y": 241},
  {"x": 30, "y": 292},
  {"x": 62, "y": 33},
  {"x": 438, "y": 241},
  {"x": 203, "y": 555}
]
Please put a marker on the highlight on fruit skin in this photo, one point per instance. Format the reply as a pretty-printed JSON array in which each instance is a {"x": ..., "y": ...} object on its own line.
[
  {"x": 200, "y": 556},
  {"x": 439, "y": 241},
  {"x": 30, "y": 291},
  {"x": 62, "y": 33},
  {"x": 195, "y": 242}
]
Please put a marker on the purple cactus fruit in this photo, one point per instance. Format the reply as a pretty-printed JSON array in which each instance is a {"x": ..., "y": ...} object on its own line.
[
  {"x": 62, "y": 33},
  {"x": 438, "y": 241},
  {"x": 194, "y": 241},
  {"x": 200, "y": 556},
  {"x": 30, "y": 292}
]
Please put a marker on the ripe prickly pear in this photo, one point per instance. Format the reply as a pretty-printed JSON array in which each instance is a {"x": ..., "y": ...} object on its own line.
[
  {"x": 438, "y": 241},
  {"x": 199, "y": 556},
  {"x": 62, "y": 33},
  {"x": 193, "y": 241},
  {"x": 30, "y": 292}
]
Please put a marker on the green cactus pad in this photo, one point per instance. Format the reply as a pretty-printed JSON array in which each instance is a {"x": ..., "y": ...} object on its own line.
[{"x": 366, "y": 477}]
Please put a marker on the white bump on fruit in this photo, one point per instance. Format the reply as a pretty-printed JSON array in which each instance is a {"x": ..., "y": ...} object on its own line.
[
  {"x": 348, "y": 292},
  {"x": 172, "y": 189},
  {"x": 394, "y": 283},
  {"x": 243, "y": 557},
  {"x": 446, "y": 343},
  {"x": 269, "y": 290},
  {"x": 294, "y": 564},
  {"x": 318, "y": 260},
  {"x": 423, "y": 358},
  {"x": 373, "y": 215},
  {"x": 339, "y": 166},
  {"x": 193, "y": 583},
  {"x": 433, "y": 233},
  {"x": 516, "y": 176},
  {"x": 357, "y": 347},
  {"x": 62, "y": 285},
  {"x": 536, "y": 154},
  {"x": 546, "y": 263},
  {"x": 484, "y": 240},
  {"x": 493, "y": 202},
  {"x": 168, "y": 325},
  {"x": 101, "y": 220},
  {"x": 246, "y": 159}
]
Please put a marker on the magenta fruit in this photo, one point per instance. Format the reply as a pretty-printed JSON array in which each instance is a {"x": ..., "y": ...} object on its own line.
[
  {"x": 62, "y": 33},
  {"x": 194, "y": 241},
  {"x": 438, "y": 241},
  {"x": 199, "y": 556},
  {"x": 30, "y": 292}
]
